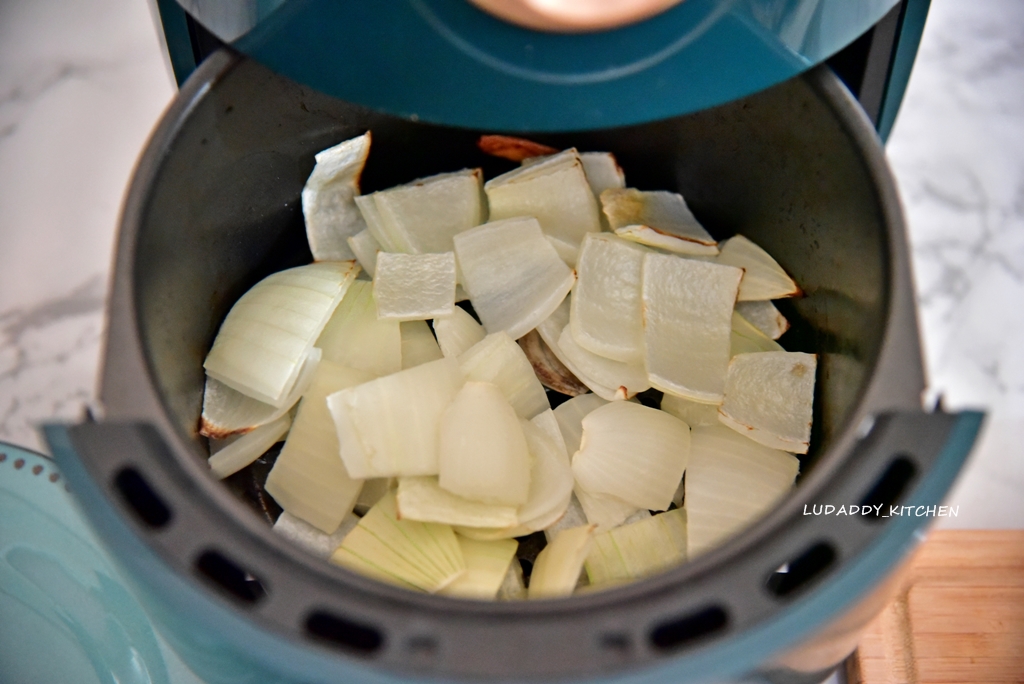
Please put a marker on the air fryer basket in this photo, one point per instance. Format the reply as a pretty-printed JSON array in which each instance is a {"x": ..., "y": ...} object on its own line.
[{"x": 214, "y": 207}]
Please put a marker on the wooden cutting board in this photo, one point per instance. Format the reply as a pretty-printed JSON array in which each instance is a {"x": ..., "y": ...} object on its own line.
[{"x": 958, "y": 619}]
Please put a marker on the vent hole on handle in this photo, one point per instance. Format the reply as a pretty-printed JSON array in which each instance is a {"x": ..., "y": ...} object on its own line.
[
  {"x": 339, "y": 631},
  {"x": 802, "y": 570},
  {"x": 686, "y": 630},
  {"x": 140, "y": 497},
  {"x": 887, "y": 491},
  {"x": 229, "y": 576}
]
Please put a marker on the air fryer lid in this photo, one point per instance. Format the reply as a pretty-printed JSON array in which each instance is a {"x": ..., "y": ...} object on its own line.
[{"x": 214, "y": 207}]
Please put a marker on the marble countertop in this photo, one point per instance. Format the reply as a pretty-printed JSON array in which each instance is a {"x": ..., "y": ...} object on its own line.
[{"x": 82, "y": 84}]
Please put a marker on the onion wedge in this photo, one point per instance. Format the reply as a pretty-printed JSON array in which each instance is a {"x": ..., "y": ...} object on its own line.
[
  {"x": 610, "y": 379},
  {"x": 365, "y": 248},
  {"x": 763, "y": 278},
  {"x": 730, "y": 482},
  {"x": 693, "y": 413},
  {"x": 763, "y": 315},
  {"x": 487, "y": 566},
  {"x": 550, "y": 331},
  {"x": 606, "y": 313},
  {"x": 421, "y": 498},
  {"x": 308, "y": 479},
  {"x": 558, "y": 566},
  {"x": 638, "y": 549},
  {"x": 769, "y": 397},
  {"x": 228, "y": 412},
  {"x": 604, "y": 511},
  {"x": 424, "y": 556},
  {"x": 418, "y": 344},
  {"x": 265, "y": 338},
  {"x": 659, "y": 219},
  {"x": 356, "y": 338},
  {"x": 327, "y": 199},
  {"x": 316, "y": 541},
  {"x": 499, "y": 360},
  {"x": 548, "y": 368},
  {"x": 634, "y": 453},
  {"x": 245, "y": 449},
  {"x": 457, "y": 332},
  {"x": 602, "y": 171},
  {"x": 414, "y": 287},
  {"x": 514, "y": 277},
  {"x": 687, "y": 325},
  {"x": 746, "y": 338},
  {"x": 388, "y": 427},
  {"x": 570, "y": 414}
]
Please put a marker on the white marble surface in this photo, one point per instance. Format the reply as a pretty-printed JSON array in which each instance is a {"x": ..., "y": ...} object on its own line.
[{"x": 82, "y": 84}]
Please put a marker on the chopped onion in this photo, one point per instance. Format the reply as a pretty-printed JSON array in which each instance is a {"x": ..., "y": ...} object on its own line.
[
  {"x": 567, "y": 251},
  {"x": 550, "y": 330},
  {"x": 356, "y": 338},
  {"x": 483, "y": 454},
  {"x": 548, "y": 368},
  {"x": 308, "y": 479},
  {"x": 373, "y": 491},
  {"x": 659, "y": 219},
  {"x": 607, "y": 378},
  {"x": 317, "y": 542},
  {"x": 424, "y": 556},
  {"x": 262, "y": 344},
  {"x": 512, "y": 148},
  {"x": 558, "y": 565},
  {"x": 604, "y": 511},
  {"x": 555, "y": 191},
  {"x": 745, "y": 338},
  {"x": 763, "y": 278},
  {"x": 769, "y": 397},
  {"x": 573, "y": 517},
  {"x": 327, "y": 199},
  {"x": 730, "y": 482},
  {"x": 228, "y": 412},
  {"x": 365, "y": 248},
  {"x": 418, "y": 344},
  {"x": 764, "y": 316},
  {"x": 421, "y": 498},
  {"x": 422, "y": 217},
  {"x": 388, "y": 427},
  {"x": 602, "y": 172},
  {"x": 414, "y": 287},
  {"x": 687, "y": 325},
  {"x": 514, "y": 277},
  {"x": 570, "y": 414},
  {"x": 693, "y": 413},
  {"x": 551, "y": 478},
  {"x": 606, "y": 313},
  {"x": 457, "y": 332},
  {"x": 499, "y": 360},
  {"x": 638, "y": 549},
  {"x": 487, "y": 566},
  {"x": 632, "y": 452},
  {"x": 245, "y": 449}
]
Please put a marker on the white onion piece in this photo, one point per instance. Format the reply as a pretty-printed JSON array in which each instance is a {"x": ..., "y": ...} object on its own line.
[
  {"x": 317, "y": 542},
  {"x": 308, "y": 479},
  {"x": 457, "y": 332},
  {"x": 746, "y": 338},
  {"x": 632, "y": 452},
  {"x": 483, "y": 454},
  {"x": 550, "y": 330},
  {"x": 514, "y": 277},
  {"x": 414, "y": 287},
  {"x": 693, "y": 413},
  {"x": 265, "y": 338},
  {"x": 551, "y": 477},
  {"x": 421, "y": 498},
  {"x": 573, "y": 517},
  {"x": 604, "y": 511},
  {"x": 638, "y": 549},
  {"x": 512, "y": 587},
  {"x": 763, "y": 278},
  {"x": 730, "y": 482},
  {"x": 609, "y": 379},
  {"x": 499, "y": 360},
  {"x": 373, "y": 491},
  {"x": 365, "y": 248},
  {"x": 356, "y": 338},
  {"x": 424, "y": 556},
  {"x": 327, "y": 199},
  {"x": 228, "y": 412},
  {"x": 422, "y": 217},
  {"x": 245, "y": 449},
  {"x": 769, "y": 397},
  {"x": 551, "y": 372},
  {"x": 554, "y": 191},
  {"x": 570, "y": 414},
  {"x": 602, "y": 172},
  {"x": 687, "y": 325},
  {"x": 418, "y": 344},
  {"x": 658, "y": 218},
  {"x": 487, "y": 565},
  {"x": 558, "y": 565},
  {"x": 606, "y": 313},
  {"x": 567, "y": 251},
  {"x": 388, "y": 427},
  {"x": 764, "y": 316}
]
